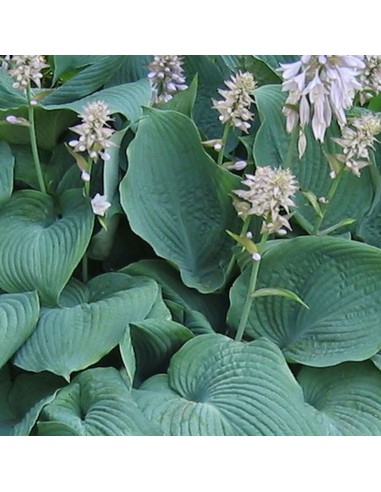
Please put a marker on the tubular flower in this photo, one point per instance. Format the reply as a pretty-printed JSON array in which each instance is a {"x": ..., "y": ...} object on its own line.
[
  {"x": 94, "y": 131},
  {"x": 99, "y": 204},
  {"x": 166, "y": 76},
  {"x": 356, "y": 140},
  {"x": 270, "y": 193},
  {"x": 319, "y": 86},
  {"x": 234, "y": 108},
  {"x": 370, "y": 78},
  {"x": 25, "y": 69}
]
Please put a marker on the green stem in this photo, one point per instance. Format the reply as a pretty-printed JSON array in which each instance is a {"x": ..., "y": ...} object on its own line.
[
  {"x": 245, "y": 228},
  {"x": 291, "y": 148},
  {"x": 224, "y": 140},
  {"x": 251, "y": 289},
  {"x": 332, "y": 190},
  {"x": 86, "y": 189},
  {"x": 33, "y": 143}
]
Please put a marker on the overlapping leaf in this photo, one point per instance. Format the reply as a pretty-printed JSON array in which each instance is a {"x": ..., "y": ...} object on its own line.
[
  {"x": 177, "y": 199},
  {"x": 96, "y": 403},
  {"x": 89, "y": 322},
  {"x": 347, "y": 398},
  {"x": 7, "y": 162},
  {"x": 338, "y": 279},
  {"x": 38, "y": 248},
  {"x": 216, "y": 386}
]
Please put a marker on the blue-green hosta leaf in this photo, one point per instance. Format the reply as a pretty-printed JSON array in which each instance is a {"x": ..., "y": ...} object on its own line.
[
  {"x": 209, "y": 307},
  {"x": 125, "y": 99},
  {"x": 18, "y": 318},
  {"x": 274, "y": 61},
  {"x": 353, "y": 197},
  {"x": 154, "y": 342},
  {"x": 347, "y": 397},
  {"x": 21, "y": 401},
  {"x": 96, "y": 403},
  {"x": 86, "y": 81},
  {"x": 39, "y": 249},
  {"x": 340, "y": 282},
  {"x": 90, "y": 321},
  {"x": 7, "y": 162},
  {"x": 67, "y": 63},
  {"x": 216, "y": 386},
  {"x": 177, "y": 199},
  {"x": 184, "y": 101},
  {"x": 10, "y": 98}
]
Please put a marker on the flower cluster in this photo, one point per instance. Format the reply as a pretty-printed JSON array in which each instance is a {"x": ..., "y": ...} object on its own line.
[
  {"x": 25, "y": 69},
  {"x": 321, "y": 85},
  {"x": 234, "y": 108},
  {"x": 370, "y": 78},
  {"x": 166, "y": 76},
  {"x": 356, "y": 140},
  {"x": 94, "y": 132},
  {"x": 270, "y": 193}
]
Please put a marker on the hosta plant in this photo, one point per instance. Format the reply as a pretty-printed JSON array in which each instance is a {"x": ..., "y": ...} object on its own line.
[{"x": 190, "y": 245}]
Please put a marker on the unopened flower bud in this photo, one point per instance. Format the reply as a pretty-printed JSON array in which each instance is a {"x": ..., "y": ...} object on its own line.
[
  {"x": 256, "y": 257},
  {"x": 249, "y": 235},
  {"x": 85, "y": 176}
]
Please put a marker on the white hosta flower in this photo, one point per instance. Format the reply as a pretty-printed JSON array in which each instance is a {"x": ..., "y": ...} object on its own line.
[
  {"x": 269, "y": 195},
  {"x": 234, "y": 108},
  {"x": 167, "y": 77},
  {"x": 25, "y": 69},
  {"x": 15, "y": 120},
  {"x": 99, "y": 204},
  {"x": 356, "y": 140},
  {"x": 370, "y": 78},
  {"x": 319, "y": 87},
  {"x": 94, "y": 132}
]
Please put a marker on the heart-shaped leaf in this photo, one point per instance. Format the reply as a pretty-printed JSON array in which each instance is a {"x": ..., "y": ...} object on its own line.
[
  {"x": 21, "y": 401},
  {"x": 177, "y": 199},
  {"x": 18, "y": 318},
  {"x": 347, "y": 398},
  {"x": 216, "y": 386},
  {"x": 96, "y": 403},
  {"x": 340, "y": 282},
  {"x": 39, "y": 249},
  {"x": 90, "y": 321}
]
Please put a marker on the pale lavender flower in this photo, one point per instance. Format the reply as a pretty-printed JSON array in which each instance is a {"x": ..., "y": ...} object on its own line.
[
  {"x": 370, "y": 78},
  {"x": 319, "y": 87},
  {"x": 99, "y": 204},
  {"x": 234, "y": 108},
  {"x": 94, "y": 131},
  {"x": 25, "y": 69},
  {"x": 357, "y": 138},
  {"x": 167, "y": 77},
  {"x": 269, "y": 194}
]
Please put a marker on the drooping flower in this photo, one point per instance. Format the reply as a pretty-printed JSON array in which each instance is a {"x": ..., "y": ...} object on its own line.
[
  {"x": 25, "y": 69},
  {"x": 167, "y": 77},
  {"x": 319, "y": 87},
  {"x": 234, "y": 107},
  {"x": 357, "y": 138},
  {"x": 370, "y": 78},
  {"x": 269, "y": 195},
  {"x": 94, "y": 131},
  {"x": 100, "y": 204}
]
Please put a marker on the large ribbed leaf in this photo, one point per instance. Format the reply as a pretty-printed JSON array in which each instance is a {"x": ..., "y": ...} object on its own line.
[
  {"x": 216, "y": 386},
  {"x": 338, "y": 279},
  {"x": 21, "y": 401},
  {"x": 18, "y": 318},
  {"x": 347, "y": 398},
  {"x": 7, "y": 162},
  {"x": 126, "y": 99},
  {"x": 38, "y": 248},
  {"x": 86, "y": 81},
  {"x": 96, "y": 403},
  {"x": 90, "y": 321},
  {"x": 177, "y": 199},
  {"x": 154, "y": 342},
  {"x": 353, "y": 197}
]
